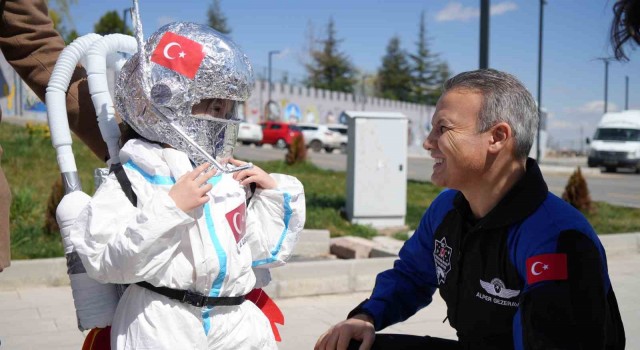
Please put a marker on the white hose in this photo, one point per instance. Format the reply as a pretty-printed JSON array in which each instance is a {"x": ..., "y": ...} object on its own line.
[
  {"x": 95, "y": 303},
  {"x": 56, "y": 100},
  {"x": 99, "y": 86}
]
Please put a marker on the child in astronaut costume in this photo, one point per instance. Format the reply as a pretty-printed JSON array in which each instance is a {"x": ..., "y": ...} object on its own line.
[{"x": 191, "y": 234}]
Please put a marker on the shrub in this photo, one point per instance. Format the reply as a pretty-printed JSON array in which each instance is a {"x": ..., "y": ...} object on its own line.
[
  {"x": 577, "y": 193},
  {"x": 297, "y": 151}
]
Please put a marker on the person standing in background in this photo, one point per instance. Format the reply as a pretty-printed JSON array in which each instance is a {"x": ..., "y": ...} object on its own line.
[{"x": 31, "y": 45}]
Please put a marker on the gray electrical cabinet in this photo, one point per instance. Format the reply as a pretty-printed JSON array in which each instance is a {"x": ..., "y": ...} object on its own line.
[{"x": 377, "y": 168}]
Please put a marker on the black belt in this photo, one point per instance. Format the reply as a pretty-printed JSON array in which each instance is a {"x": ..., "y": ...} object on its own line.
[{"x": 192, "y": 298}]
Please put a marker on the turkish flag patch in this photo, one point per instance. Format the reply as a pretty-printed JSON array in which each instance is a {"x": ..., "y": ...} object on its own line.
[
  {"x": 179, "y": 54},
  {"x": 547, "y": 267},
  {"x": 236, "y": 218}
]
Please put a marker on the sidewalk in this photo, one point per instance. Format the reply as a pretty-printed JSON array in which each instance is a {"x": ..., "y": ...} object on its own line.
[{"x": 37, "y": 316}]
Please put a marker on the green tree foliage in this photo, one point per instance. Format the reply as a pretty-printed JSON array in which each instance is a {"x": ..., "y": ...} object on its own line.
[
  {"x": 394, "y": 77},
  {"x": 71, "y": 36},
  {"x": 329, "y": 68},
  {"x": 428, "y": 72},
  {"x": 216, "y": 19},
  {"x": 111, "y": 23}
]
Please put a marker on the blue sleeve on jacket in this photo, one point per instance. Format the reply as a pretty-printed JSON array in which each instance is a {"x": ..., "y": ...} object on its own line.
[
  {"x": 556, "y": 312},
  {"x": 408, "y": 287}
]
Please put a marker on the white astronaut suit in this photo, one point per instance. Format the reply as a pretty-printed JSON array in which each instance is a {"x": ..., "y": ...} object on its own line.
[{"x": 215, "y": 250}]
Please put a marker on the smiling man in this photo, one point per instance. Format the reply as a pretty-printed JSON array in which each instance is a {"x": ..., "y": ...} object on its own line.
[{"x": 518, "y": 267}]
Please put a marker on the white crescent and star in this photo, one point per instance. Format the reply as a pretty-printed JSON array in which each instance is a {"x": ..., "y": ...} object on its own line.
[
  {"x": 170, "y": 45},
  {"x": 533, "y": 268},
  {"x": 235, "y": 221}
]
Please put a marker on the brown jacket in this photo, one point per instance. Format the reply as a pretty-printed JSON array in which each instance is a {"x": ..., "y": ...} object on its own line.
[{"x": 31, "y": 45}]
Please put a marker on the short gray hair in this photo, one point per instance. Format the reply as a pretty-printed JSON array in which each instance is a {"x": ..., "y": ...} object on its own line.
[{"x": 504, "y": 99}]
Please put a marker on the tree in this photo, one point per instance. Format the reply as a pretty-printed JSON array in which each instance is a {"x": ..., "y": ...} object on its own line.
[
  {"x": 111, "y": 23},
  {"x": 442, "y": 74},
  {"x": 61, "y": 28},
  {"x": 394, "y": 77},
  {"x": 216, "y": 19},
  {"x": 424, "y": 64},
  {"x": 576, "y": 193},
  {"x": 71, "y": 36},
  {"x": 329, "y": 68}
]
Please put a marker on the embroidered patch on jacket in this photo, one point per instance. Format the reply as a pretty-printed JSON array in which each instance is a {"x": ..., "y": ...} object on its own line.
[
  {"x": 498, "y": 293},
  {"x": 442, "y": 258},
  {"x": 547, "y": 267},
  {"x": 496, "y": 288}
]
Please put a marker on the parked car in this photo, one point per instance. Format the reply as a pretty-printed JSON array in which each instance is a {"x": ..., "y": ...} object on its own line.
[
  {"x": 249, "y": 133},
  {"x": 318, "y": 137},
  {"x": 344, "y": 139},
  {"x": 279, "y": 134}
]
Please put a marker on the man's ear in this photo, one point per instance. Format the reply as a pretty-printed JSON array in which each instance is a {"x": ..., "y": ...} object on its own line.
[{"x": 501, "y": 135}]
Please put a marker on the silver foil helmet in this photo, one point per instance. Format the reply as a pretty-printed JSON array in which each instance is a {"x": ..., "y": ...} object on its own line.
[{"x": 186, "y": 91}]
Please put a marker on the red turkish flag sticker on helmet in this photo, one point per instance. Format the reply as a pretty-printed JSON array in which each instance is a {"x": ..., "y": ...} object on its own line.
[
  {"x": 547, "y": 267},
  {"x": 179, "y": 54},
  {"x": 236, "y": 218}
]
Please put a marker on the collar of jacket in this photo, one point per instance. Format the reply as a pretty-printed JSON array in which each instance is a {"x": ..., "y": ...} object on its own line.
[{"x": 521, "y": 201}]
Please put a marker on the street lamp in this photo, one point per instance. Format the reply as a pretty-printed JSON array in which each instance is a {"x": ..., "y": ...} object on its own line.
[
  {"x": 626, "y": 92},
  {"x": 606, "y": 61},
  {"x": 271, "y": 53},
  {"x": 124, "y": 18},
  {"x": 484, "y": 33},
  {"x": 542, "y": 3}
]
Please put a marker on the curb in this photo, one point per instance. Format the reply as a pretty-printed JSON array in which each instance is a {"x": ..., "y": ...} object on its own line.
[{"x": 295, "y": 279}]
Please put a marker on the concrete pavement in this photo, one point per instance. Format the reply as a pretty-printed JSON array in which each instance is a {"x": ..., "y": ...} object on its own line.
[{"x": 39, "y": 313}]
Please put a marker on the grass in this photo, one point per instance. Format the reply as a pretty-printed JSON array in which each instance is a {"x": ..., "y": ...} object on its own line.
[{"x": 30, "y": 166}]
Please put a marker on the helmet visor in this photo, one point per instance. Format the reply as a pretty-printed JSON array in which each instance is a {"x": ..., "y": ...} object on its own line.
[{"x": 213, "y": 125}]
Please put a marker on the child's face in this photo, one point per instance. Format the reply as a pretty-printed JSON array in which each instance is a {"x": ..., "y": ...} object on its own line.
[{"x": 214, "y": 107}]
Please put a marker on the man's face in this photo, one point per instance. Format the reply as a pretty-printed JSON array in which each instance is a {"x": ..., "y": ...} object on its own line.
[{"x": 457, "y": 148}]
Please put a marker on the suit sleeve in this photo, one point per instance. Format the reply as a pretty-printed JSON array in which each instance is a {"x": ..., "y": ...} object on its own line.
[
  {"x": 576, "y": 312},
  {"x": 409, "y": 286},
  {"x": 120, "y": 243},
  {"x": 275, "y": 218},
  {"x": 32, "y": 46}
]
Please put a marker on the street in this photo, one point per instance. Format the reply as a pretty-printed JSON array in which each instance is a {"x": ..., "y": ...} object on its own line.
[{"x": 619, "y": 189}]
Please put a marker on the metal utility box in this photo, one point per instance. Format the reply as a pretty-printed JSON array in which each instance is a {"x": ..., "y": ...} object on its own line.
[{"x": 377, "y": 168}]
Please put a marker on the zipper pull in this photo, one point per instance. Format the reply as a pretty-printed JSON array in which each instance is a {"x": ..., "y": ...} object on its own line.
[{"x": 445, "y": 319}]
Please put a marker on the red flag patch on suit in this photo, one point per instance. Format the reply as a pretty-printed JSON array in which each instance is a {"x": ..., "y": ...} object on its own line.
[
  {"x": 179, "y": 54},
  {"x": 236, "y": 218},
  {"x": 547, "y": 267},
  {"x": 269, "y": 308}
]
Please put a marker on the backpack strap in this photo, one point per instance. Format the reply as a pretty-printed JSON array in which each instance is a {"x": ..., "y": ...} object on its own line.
[
  {"x": 252, "y": 187},
  {"x": 123, "y": 179}
]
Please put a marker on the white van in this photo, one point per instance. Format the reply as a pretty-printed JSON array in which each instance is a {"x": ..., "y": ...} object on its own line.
[{"x": 616, "y": 143}]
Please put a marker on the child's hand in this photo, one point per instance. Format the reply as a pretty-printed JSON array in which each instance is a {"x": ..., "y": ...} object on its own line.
[
  {"x": 190, "y": 191},
  {"x": 255, "y": 174}
]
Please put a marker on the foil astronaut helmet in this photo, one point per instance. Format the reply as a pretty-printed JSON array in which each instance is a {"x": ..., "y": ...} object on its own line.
[{"x": 183, "y": 89}]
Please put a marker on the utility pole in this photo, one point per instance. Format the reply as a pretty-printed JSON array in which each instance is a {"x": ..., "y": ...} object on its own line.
[
  {"x": 271, "y": 53},
  {"x": 626, "y": 92},
  {"x": 542, "y": 3},
  {"x": 124, "y": 17},
  {"x": 606, "y": 61},
  {"x": 484, "y": 33},
  {"x": 364, "y": 94}
]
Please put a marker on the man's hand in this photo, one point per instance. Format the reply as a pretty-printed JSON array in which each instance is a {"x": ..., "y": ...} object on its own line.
[
  {"x": 360, "y": 327},
  {"x": 190, "y": 191},
  {"x": 255, "y": 174}
]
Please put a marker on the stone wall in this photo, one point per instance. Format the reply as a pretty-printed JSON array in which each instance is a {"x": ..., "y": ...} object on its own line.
[{"x": 297, "y": 103}]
